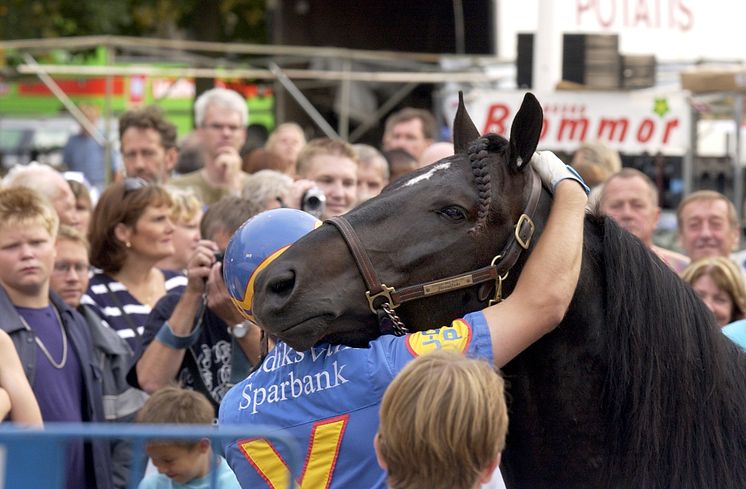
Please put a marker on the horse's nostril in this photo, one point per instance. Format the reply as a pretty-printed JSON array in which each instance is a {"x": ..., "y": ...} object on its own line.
[{"x": 283, "y": 284}]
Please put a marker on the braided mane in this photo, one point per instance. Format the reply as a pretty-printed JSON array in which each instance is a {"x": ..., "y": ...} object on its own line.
[{"x": 479, "y": 153}]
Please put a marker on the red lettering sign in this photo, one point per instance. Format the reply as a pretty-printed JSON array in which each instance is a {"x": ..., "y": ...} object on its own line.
[{"x": 497, "y": 116}]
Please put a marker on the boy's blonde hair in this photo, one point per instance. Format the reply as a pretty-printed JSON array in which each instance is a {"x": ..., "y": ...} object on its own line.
[
  {"x": 21, "y": 205},
  {"x": 443, "y": 422},
  {"x": 323, "y": 146},
  {"x": 174, "y": 405},
  {"x": 74, "y": 236}
]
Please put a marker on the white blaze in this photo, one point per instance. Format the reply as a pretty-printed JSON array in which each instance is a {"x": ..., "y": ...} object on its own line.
[{"x": 426, "y": 176}]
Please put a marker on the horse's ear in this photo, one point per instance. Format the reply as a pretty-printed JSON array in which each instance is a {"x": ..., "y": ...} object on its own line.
[
  {"x": 525, "y": 131},
  {"x": 464, "y": 130}
]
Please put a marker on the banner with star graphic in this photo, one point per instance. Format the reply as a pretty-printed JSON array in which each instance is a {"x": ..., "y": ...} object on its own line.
[{"x": 631, "y": 122}]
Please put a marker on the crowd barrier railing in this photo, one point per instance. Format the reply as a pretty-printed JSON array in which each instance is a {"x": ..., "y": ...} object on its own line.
[{"x": 34, "y": 458}]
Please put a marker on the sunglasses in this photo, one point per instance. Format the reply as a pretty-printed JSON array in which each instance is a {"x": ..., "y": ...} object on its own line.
[{"x": 132, "y": 184}]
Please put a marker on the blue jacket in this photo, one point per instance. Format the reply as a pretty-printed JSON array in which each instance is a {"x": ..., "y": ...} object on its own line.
[{"x": 80, "y": 339}]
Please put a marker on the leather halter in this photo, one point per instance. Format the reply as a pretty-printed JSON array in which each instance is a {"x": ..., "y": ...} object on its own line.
[{"x": 383, "y": 299}]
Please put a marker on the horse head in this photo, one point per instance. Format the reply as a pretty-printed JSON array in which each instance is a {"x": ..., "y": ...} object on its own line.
[
  {"x": 637, "y": 383},
  {"x": 443, "y": 220}
]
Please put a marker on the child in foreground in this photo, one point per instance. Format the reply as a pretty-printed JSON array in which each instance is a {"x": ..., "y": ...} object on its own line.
[
  {"x": 447, "y": 412},
  {"x": 182, "y": 464}
]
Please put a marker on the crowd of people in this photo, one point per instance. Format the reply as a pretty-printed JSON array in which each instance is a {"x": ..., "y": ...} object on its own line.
[{"x": 116, "y": 309}]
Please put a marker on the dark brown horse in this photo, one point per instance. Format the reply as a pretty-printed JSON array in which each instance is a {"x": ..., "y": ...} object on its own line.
[{"x": 636, "y": 388}]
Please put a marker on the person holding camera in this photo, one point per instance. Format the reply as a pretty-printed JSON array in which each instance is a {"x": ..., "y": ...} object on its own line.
[
  {"x": 198, "y": 339},
  {"x": 333, "y": 166}
]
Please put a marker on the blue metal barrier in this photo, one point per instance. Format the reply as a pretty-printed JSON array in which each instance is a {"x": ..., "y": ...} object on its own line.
[{"x": 34, "y": 458}]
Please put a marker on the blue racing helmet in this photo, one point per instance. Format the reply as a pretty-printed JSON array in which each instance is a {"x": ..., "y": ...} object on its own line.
[{"x": 255, "y": 245}]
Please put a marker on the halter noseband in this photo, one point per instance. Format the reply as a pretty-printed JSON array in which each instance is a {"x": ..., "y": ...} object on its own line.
[{"x": 383, "y": 299}]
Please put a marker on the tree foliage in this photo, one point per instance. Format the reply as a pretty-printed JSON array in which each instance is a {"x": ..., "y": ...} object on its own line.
[{"x": 214, "y": 20}]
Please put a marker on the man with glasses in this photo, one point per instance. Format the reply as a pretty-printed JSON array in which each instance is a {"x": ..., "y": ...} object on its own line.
[
  {"x": 221, "y": 116},
  {"x": 148, "y": 143},
  {"x": 111, "y": 354}
]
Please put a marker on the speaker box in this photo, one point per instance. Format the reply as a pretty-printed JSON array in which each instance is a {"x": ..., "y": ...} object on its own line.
[
  {"x": 592, "y": 60},
  {"x": 525, "y": 61}
]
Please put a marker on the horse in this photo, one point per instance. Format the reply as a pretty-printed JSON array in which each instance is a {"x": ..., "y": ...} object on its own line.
[{"x": 636, "y": 387}]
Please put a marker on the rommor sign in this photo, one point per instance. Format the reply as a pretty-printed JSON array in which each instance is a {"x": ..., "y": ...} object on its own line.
[{"x": 631, "y": 122}]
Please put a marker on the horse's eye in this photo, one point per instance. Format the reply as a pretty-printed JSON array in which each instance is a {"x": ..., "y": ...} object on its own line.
[{"x": 453, "y": 213}]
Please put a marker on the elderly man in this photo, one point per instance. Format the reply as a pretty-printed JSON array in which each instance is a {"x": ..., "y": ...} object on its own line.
[
  {"x": 51, "y": 184},
  {"x": 221, "y": 117},
  {"x": 631, "y": 199},
  {"x": 708, "y": 225},
  {"x": 409, "y": 129},
  {"x": 148, "y": 143}
]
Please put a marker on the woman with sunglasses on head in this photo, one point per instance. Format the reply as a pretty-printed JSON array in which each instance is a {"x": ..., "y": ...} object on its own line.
[{"x": 130, "y": 232}]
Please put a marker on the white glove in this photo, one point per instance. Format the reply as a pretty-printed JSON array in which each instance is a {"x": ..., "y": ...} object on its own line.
[{"x": 552, "y": 170}]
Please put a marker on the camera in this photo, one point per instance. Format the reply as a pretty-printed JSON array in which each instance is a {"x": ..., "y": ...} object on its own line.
[{"x": 313, "y": 202}]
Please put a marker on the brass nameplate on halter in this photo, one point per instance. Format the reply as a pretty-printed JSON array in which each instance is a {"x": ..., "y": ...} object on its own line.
[{"x": 446, "y": 285}]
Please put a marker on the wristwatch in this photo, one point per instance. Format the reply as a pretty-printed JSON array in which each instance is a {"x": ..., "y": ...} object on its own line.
[{"x": 239, "y": 330}]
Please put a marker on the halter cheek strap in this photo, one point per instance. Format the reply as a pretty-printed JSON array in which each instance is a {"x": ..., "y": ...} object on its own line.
[
  {"x": 383, "y": 299},
  {"x": 379, "y": 295}
]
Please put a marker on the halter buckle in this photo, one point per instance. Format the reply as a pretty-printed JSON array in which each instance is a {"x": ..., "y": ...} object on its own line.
[
  {"x": 522, "y": 233},
  {"x": 385, "y": 293}
]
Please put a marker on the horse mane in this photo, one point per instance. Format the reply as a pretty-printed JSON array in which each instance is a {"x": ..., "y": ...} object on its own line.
[
  {"x": 674, "y": 390},
  {"x": 479, "y": 153}
]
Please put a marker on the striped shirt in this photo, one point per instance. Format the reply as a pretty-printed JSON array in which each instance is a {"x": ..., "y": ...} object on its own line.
[{"x": 111, "y": 300}]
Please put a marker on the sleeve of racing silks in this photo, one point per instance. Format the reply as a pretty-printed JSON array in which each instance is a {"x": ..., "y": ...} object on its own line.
[{"x": 469, "y": 335}]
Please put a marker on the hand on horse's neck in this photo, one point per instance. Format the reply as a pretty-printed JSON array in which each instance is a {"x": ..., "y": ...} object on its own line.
[{"x": 143, "y": 281}]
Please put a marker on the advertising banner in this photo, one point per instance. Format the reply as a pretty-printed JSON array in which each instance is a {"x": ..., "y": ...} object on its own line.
[{"x": 631, "y": 122}]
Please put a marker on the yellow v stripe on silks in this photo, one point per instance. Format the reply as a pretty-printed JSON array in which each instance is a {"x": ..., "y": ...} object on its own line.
[
  {"x": 268, "y": 463},
  {"x": 321, "y": 458},
  {"x": 248, "y": 296},
  {"x": 323, "y": 452}
]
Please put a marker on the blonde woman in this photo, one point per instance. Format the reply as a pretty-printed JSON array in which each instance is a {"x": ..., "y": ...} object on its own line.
[
  {"x": 186, "y": 213},
  {"x": 719, "y": 283}
]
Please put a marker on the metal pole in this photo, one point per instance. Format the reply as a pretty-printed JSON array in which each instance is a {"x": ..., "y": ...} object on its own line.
[
  {"x": 458, "y": 26},
  {"x": 344, "y": 109},
  {"x": 397, "y": 97},
  {"x": 687, "y": 172},
  {"x": 300, "y": 74},
  {"x": 108, "y": 161},
  {"x": 66, "y": 101},
  {"x": 547, "y": 48},
  {"x": 303, "y": 102},
  {"x": 738, "y": 166}
]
